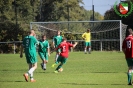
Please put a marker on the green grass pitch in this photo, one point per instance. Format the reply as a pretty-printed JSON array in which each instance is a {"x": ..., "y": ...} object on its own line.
[{"x": 95, "y": 70}]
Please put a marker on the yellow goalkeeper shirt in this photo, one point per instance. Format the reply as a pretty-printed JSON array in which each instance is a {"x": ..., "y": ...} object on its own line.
[{"x": 86, "y": 36}]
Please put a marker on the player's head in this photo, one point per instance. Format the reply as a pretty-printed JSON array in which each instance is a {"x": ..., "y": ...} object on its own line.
[
  {"x": 44, "y": 37},
  {"x": 88, "y": 30},
  {"x": 58, "y": 32},
  {"x": 32, "y": 32},
  {"x": 129, "y": 31},
  {"x": 64, "y": 39}
]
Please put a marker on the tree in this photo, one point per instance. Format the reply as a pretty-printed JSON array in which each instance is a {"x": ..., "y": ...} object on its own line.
[
  {"x": 15, "y": 16},
  {"x": 57, "y": 10}
]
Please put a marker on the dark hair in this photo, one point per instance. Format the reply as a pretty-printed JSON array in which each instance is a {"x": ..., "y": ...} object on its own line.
[
  {"x": 43, "y": 36},
  {"x": 128, "y": 31},
  {"x": 88, "y": 29},
  {"x": 64, "y": 38}
]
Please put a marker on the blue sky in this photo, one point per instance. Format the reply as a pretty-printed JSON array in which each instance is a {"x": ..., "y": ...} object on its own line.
[{"x": 100, "y": 6}]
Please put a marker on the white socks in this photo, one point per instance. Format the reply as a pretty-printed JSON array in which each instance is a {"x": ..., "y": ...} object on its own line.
[
  {"x": 31, "y": 72},
  {"x": 56, "y": 57},
  {"x": 89, "y": 49},
  {"x": 85, "y": 50},
  {"x": 44, "y": 66}
]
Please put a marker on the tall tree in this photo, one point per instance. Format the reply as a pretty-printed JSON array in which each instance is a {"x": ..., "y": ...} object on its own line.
[{"x": 59, "y": 10}]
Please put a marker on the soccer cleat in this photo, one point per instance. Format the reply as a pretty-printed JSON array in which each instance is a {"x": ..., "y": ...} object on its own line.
[
  {"x": 33, "y": 80},
  {"x": 130, "y": 83},
  {"x": 44, "y": 68},
  {"x": 26, "y": 77},
  {"x": 53, "y": 65},
  {"x": 56, "y": 71}
]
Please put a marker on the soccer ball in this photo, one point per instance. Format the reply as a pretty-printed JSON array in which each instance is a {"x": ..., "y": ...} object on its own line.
[{"x": 60, "y": 70}]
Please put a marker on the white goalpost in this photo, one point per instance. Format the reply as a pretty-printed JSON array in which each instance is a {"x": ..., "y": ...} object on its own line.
[{"x": 106, "y": 35}]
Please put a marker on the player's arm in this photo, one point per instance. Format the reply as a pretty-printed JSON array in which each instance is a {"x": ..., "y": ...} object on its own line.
[
  {"x": 48, "y": 49},
  {"x": 53, "y": 43},
  {"x": 83, "y": 36},
  {"x": 59, "y": 46},
  {"x": 74, "y": 45}
]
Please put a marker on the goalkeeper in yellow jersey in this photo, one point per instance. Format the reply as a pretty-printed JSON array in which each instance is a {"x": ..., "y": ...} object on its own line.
[{"x": 87, "y": 37}]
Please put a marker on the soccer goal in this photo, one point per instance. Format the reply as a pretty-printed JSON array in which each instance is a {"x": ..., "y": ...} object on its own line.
[{"x": 106, "y": 35}]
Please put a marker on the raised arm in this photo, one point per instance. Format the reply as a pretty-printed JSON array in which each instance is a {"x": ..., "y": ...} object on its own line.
[{"x": 74, "y": 45}]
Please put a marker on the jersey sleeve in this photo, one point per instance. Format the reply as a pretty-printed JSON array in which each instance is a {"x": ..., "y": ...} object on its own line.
[
  {"x": 70, "y": 45},
  {"x": 59, "y": 46}
]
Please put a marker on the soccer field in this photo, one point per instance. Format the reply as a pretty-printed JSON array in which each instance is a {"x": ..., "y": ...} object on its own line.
[{"x": 96, "y": 70}]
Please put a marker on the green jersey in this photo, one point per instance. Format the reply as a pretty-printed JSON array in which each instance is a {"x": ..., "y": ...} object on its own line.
[
  {"x": 29, "y": 44},
  {"x": 57, "y": 40},
  {"x": 43, "y": 46}
]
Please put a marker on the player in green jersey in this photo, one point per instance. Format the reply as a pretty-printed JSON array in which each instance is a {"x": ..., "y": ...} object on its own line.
[
  {"x": 56, "y": 41},
  {"x": 44, "y": 51},
  {"x": 29, "y": 43}
]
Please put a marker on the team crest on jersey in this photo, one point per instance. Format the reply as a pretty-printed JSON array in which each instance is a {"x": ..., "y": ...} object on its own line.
[{"x": 124, "y": 9}]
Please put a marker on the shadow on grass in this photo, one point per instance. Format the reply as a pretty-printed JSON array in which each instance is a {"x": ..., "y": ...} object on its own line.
[
  {"x": 44, "y": 72},
  {"x": 5, "y": 70},
  {"x": 80, "y": 84},
  {"x": 107, "y": 72},
  {"x": 11, "y": 81},
  {"x": 89, "y": 84},
  {"x": 118, "y": 84}
]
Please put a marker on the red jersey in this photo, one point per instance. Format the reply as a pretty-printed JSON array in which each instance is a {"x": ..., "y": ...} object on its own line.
[
  {"x": 128, "y": 46},
  {"x": 64, "y": 46}
]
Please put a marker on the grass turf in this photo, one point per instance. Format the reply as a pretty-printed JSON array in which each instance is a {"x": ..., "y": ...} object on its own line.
[{"x": 96, "y": 70}]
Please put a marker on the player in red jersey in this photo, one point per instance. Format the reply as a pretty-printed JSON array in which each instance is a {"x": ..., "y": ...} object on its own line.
[
  {"x": 63, "y": 56},
  {"x": 127, "y": 48}
]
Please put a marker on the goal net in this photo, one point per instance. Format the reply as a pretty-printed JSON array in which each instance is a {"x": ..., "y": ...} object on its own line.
[{"x": 106, "y": 35}]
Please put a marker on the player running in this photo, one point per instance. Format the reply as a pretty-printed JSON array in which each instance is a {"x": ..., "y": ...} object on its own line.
[
  {"x": 87, "y": 37},
  {"x": 127, "y": 48},
  {"x": 29, "y": 43},
  {"x": 64, "y": 46},
  {"x": 44, "y": 51},
  {"x": 56, "y": 41}
]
